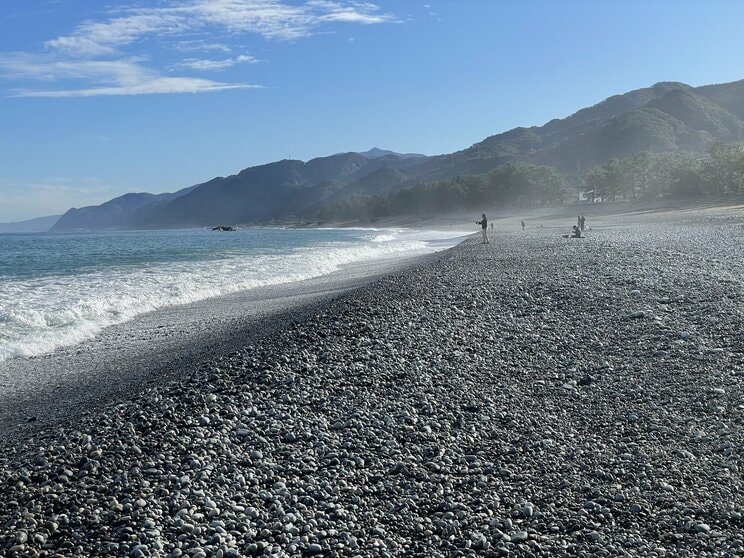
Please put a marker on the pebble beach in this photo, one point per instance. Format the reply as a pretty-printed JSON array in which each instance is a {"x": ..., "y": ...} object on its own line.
[{"x": 535, "y": 396}]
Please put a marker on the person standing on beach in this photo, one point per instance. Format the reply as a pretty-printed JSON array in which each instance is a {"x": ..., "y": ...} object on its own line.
[
  {"x": 484, "y": 228},
  {"x": 582, "y": 220},
  {"x": 522, "y": 225}
]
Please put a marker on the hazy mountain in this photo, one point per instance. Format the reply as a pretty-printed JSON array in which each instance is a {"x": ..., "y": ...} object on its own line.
[
  {"x": 113, "y": 214},
  {"x": 727, "y": 95},
  {"x": 699, "y": 114},
  {"x": 281, "y": 190},
  {"x": 118, "y": 213},
  {"x": 40, "y": 224},
  {"x": 379, "y": 182},
  {"x": 680, "y": 120},
  {"x": 558, "y": 129},
  {"x": 376, "y": 152},
  {"x": 668, "y": 116},
  {"x": 261, "y": 193}
]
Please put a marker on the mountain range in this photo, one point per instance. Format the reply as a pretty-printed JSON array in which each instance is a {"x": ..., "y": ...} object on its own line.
[{"x": 667, "y": 117}]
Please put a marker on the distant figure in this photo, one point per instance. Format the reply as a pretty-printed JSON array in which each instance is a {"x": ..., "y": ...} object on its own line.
[
  {"x": 491, "y": 227},
  {"x": 484, "y": 228},
  {"x": 575, "y": 233},
  {"x": 522, "y": 225},
  {"x": 582, "y": 220}
]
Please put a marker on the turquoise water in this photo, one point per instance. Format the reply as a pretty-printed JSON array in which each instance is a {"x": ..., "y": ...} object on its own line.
[{"x": 60, "y": 289}]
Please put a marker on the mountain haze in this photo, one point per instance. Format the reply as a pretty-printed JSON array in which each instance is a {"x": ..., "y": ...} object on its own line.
[
  {"x": 377, "y": 152},
  {"x": 40, "y": 224},
  {"x": 667, "y": 117},
  {"x": 119, "y": 213}
]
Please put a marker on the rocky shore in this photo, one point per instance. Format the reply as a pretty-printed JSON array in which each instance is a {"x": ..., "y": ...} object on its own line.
[{"x": 531, "y": 397}]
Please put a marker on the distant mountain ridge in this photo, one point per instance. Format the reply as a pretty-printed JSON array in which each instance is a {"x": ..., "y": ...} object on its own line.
[
  {"x": 376, "y": 152},
  {"x": 39, "y": 224},
  {"x": 666, "y": 117},
  {"x": 119, "y": 213}
]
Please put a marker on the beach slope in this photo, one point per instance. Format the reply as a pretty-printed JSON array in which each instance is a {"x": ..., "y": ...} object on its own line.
[{"x": 534, "y": 396}]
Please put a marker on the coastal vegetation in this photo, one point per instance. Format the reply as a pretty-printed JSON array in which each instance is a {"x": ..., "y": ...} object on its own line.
[
  {"x": 642, "y": 176},
  {"x": 513, "y": 184},
  {"x": 720, "y": 171}
]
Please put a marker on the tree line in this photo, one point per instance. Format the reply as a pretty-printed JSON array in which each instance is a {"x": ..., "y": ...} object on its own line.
[
  {"x": 669, "y": 175},
  {"x": 718, "y": 171},
  {"x": 512, "y": 184}
]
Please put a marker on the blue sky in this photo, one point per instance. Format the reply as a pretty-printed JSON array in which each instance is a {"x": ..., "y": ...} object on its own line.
[{"x": 101, "y": 98}]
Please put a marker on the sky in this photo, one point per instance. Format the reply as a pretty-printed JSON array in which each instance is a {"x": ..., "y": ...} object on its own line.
[{"x": 99, "y": 98}]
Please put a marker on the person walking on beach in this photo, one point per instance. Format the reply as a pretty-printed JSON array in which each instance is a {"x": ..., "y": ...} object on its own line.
[
  {"x": 522, "y": 225},
  {"x": 484, "y": 227}
]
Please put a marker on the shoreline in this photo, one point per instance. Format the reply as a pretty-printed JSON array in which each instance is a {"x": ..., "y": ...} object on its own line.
[
  {"x": 555, "y": 216},
  {"x": 534, "y": 396},
  {"x": 43, "y": 392}
]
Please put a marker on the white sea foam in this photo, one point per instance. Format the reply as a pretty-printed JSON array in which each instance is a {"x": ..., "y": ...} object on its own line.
[{"x": 40, "y": 315}]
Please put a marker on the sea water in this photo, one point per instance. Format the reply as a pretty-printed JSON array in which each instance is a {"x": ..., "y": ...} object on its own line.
[{"x": 60, "y": 289}]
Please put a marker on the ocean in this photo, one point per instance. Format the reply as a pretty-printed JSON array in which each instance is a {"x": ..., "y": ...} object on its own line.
[{"x": 58, "y": 290}]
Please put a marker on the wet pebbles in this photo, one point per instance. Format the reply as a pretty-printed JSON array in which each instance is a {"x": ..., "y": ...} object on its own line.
[{"x": 530, "y": 397}]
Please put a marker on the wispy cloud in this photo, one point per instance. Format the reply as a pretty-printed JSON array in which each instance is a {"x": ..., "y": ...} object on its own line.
[
  {"x": 354, "y": 12},
  {"x": 208, "y": 65},
  {"x": 104, "y": 38},
  {"x": 149, "y": 87},
  {"x": 272, "y": 19},
  {"x": 46, "y": 68},
  {"x": 200, "y": 45},
  {"x": 94, "y": 55},
  {"x": 104, "y": 77}
]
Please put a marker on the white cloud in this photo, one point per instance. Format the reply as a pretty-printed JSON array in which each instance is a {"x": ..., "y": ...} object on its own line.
[
  {"x": 201, "y": 46},
  {"x": 268, "y": 18},
  {"x": 103, "y": 38},
  {"x": 272, "y": 19},
  {"x": 207, "y": 65},
  {"x": 353, "y": 12},
  {"x": 93, "y": 56},
  {"x": 149, "y": 87},
  {"x": 104, "y": 77},
  {"x": 45, "y": 68}
]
